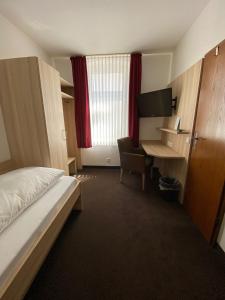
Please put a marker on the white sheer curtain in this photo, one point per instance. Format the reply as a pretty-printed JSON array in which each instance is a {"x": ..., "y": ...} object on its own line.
[{"x": 108, "y": 83}]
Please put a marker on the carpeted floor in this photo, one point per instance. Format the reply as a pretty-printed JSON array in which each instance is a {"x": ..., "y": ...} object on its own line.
[{"x": 129, "y": 245}]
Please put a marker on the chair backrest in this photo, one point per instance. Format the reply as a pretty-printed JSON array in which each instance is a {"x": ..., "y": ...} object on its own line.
[
  {"x": 125, "y": 145},
  {"x": 129, "y": 158}
]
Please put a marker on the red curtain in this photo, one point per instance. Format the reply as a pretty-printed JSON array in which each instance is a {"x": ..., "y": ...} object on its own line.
[
  {"x": 82, "y": 112},
  {"x": 134, "y": 91}
]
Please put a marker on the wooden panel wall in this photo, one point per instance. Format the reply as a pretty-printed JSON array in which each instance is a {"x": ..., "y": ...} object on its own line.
[{"x": 186, "y": 88}]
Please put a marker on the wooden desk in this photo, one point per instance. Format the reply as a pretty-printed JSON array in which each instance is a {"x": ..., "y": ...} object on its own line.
[{"x": 160, "y": 150}]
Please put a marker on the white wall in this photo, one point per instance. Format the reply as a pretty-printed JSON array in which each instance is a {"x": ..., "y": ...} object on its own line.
[
  {"x": 204, "y": 34},
  {"x": 14, "y": 43},
  {"x": 156, "y": 69},
  {"x": 63, "y": 65},
  {"x": 156, "y": 73},
  {"x": 100, "y": 156}
]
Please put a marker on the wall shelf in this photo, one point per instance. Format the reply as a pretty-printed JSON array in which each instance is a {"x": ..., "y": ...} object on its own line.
[
  {"x": 68, "y": 102},
  {"x": 173, "y": 131},
  {"x": 66, "y": 96},
  {"x": 72, "y": 165},
  {"x": 65, "y": 83}
]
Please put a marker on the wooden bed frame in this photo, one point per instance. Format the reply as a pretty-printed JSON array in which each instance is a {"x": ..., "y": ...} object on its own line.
[{"x": 23, "y": 272}]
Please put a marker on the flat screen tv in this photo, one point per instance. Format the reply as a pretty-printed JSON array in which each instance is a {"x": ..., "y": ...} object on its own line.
[{"x": 155, "y": 104}]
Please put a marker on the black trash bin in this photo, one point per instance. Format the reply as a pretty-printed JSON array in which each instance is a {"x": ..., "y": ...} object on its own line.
[{"x": 169, "y": 188}]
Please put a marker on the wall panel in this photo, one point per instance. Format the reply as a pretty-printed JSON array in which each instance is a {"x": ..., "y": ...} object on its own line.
[{"x": 185, "y": 87}]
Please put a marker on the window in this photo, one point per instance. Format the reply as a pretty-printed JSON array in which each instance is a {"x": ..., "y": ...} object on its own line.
[{"x": 108, "y": 83}]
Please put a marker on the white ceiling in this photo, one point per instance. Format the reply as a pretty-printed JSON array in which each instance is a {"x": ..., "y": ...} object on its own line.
[{"x": 65, "y": 27}]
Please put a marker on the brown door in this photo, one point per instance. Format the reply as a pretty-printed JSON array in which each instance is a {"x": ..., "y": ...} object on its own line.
[{"x": 206, "y": 172}]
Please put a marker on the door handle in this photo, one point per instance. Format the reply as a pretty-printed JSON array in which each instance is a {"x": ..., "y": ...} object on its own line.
[
  {"x": 196, "y": 137},
  {"x": 199, "y": 138}
]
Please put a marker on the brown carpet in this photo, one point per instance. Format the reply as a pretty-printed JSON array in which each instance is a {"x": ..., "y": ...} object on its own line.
[
  {"x": 129, "y": 245},
  {"x": 84, "y": 177}
]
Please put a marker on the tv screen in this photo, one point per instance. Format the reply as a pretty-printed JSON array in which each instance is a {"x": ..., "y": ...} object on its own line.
[{"x": 155, "y": 104}]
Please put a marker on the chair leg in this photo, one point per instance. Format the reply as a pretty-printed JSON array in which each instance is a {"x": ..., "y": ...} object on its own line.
[
  {"x": 143, "y": 181},
  {"x": 121, "y": 175}
]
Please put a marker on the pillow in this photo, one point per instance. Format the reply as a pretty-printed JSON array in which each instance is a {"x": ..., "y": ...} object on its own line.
[{"x": 22, "y": 187}]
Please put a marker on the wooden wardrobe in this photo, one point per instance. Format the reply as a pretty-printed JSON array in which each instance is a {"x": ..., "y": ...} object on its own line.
[{"x": 31, "y": 101}]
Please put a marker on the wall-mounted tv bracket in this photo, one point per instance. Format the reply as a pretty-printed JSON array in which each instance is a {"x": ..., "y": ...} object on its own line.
[{"x": 174, "y": 103}]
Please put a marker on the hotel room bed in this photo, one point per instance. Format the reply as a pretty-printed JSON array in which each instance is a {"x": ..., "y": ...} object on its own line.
[{"x": 25, "y": 243}]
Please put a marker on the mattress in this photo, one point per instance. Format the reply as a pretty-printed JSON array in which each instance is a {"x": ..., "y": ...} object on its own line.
[{"x": 20, "y": 235}]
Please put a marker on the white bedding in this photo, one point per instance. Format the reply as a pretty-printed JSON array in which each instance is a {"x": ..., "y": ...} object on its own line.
[
  {"x": 20, "y": 188},
  {"x": 15, "y": 239}
]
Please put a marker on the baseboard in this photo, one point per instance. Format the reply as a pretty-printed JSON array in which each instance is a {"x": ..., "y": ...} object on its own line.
[{"x": 101, "y": 167}]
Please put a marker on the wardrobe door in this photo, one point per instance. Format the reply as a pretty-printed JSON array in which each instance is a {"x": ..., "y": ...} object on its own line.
[
  {"x": 52, "y": 102},
  {"x": 21, "y": 103}
]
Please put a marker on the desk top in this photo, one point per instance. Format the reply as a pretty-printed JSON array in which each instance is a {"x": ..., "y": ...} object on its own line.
[{"x": 160, "y": 150}]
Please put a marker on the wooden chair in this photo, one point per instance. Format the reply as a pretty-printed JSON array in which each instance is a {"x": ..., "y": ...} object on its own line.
[{"x": 132, "y": 159}]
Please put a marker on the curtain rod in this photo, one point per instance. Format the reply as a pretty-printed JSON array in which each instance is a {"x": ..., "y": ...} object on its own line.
[
  {"x": 109, "y": 54},
  {"x": 143, "y": 54}
]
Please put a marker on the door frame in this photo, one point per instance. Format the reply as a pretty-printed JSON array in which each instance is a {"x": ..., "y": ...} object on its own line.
[
  {"x": 221, "y": 209},
  {"x": 219, "y": 219},
  {"x": 193, "y": 129}
]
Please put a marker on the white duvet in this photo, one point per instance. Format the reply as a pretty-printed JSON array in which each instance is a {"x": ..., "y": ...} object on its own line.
[{"x": 22, "y": 187}]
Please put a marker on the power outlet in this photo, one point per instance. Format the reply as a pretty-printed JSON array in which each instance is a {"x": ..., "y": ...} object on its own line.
[{"x": 108, "y": 160}]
